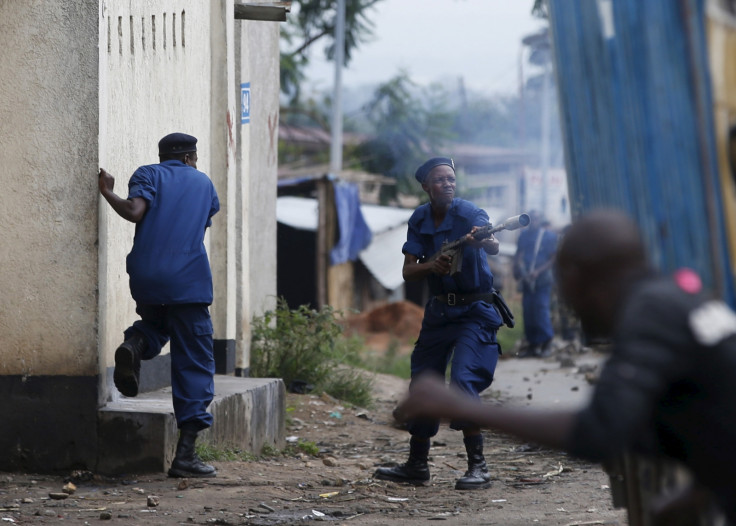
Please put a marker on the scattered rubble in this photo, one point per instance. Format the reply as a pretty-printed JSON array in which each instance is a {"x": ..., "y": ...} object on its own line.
[{"x": 531, "y": 485}]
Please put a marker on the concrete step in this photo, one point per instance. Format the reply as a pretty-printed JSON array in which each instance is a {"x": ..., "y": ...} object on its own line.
[{"x": 138, "y": 435}]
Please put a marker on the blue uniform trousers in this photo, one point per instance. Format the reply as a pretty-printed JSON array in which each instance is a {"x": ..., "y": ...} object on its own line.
[
  {"x": 537, "y": 321},
  {"x": 469, "y": 344},
  {"x": 189, "y": 328}
]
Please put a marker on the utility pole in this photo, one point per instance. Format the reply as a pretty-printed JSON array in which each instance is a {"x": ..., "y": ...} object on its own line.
[
  {"x": 544, "y": 153},
  {"x": 541, "y": 56},
  {"x": 325, "y": 195},
  {"x": 522, "y": 186},
  {"x": 336, "y": 139}
]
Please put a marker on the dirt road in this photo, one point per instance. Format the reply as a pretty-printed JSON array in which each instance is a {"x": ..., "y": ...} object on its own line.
[{"x": 530, "y": 486}]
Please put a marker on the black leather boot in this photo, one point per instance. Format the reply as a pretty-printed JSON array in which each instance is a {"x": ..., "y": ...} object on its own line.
[
  {"x": 545, "y": 350},
  {"x": 128, "y": 364},
  {"x": 477, "y": 476},
  {"x": 186, "y": 463},
  {"x": 413, "y": 471}
]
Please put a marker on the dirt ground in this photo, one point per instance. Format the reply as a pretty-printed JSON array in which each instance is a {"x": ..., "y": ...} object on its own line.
[{"x": 530, "y": 485}]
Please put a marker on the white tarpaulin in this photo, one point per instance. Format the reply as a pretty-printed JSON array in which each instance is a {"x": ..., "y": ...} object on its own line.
[{"x": 383, "y": 257}]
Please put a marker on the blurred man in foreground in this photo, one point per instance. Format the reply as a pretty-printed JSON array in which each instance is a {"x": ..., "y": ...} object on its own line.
[{"x": 669, "y": 386}]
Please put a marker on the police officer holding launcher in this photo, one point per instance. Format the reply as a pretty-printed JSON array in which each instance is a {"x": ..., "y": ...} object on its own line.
[
  {"x": 460, "y": 321},
  {"x": 172, "y": 204}
]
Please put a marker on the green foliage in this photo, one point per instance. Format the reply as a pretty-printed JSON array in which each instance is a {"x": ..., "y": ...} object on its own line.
[
  {"x": 210, "y": 453},
  {"x": 389, "y": 362},
  {"x": 351, "y": 385},
  {"x": 269, "y": 450},
  {"x": 506, "y": 337},
  {"x": 307, "y": 447},
  {"x": 540, "y": 9},
  {"x": 291, "y": 74},
  {"x": 312, "y": 22},
  {"x": 494, "y": 122},
  {"x": 408, "y": 123},
  {"x": 307, "y": 345}
]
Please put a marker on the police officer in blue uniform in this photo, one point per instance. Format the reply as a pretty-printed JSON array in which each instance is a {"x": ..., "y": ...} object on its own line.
[
  {"x": 172, "y": 204},
  {"x": 533, "y": 261},
  {"x": 460, "y": 320}
]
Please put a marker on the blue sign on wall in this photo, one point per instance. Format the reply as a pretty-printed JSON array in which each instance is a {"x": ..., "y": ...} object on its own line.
[{"x": 245, "y": 103}]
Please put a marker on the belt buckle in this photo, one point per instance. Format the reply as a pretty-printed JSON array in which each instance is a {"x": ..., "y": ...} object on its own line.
[{"x": 451, "y": 300}]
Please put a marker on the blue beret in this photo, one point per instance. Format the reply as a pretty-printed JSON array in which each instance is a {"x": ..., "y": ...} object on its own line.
[
  {"x": 423, "y": 171},
  {"x": 175, "y": 143}
]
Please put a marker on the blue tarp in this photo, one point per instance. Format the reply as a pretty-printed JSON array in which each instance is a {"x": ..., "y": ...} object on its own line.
[{"x": 354, "y": 232}]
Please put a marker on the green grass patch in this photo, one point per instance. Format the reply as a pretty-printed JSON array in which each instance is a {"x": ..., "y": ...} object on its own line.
[
  {"x": 302, "y": 446},
  {"x": 307, "y": 345},
  {"x": 209, "y": 453},
  {"x": 507, "y": 337},
  {"x": 389, "y": 362}
]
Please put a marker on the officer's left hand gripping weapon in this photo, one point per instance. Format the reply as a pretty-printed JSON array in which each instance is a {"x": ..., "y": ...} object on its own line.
[{"x": 454, "y": 249}]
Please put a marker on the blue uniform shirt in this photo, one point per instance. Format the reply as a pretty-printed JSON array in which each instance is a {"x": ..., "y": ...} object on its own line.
[
  {"x": 463, "y": 335},
  {"x": 168, "y": 263},
  {"x": 423, "y": 240},
  {"x": 547, "y": 248}
]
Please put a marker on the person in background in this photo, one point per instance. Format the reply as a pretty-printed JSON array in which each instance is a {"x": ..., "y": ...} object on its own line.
[
  {"x": 172, "y": 204},
  {"x": 460, "y": 320},
  {"x": 532, "y": 266},
  {"x": 666, "y": 389}
]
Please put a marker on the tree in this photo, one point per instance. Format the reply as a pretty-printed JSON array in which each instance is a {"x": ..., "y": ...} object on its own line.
[
  {"x": 408, "y": 123},
  {"x": 314, "y": 21},
  {"x": 488, "y": 121}
]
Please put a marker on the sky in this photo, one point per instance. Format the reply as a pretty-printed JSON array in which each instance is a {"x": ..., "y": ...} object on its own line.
[{"x": 478, "y": 40}]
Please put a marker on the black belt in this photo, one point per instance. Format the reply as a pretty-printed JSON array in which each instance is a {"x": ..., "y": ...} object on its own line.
[{"x": 453, "y": 299}]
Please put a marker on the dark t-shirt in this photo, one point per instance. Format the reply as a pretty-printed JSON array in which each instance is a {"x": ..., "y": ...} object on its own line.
[{"x": 670, "y": 384}]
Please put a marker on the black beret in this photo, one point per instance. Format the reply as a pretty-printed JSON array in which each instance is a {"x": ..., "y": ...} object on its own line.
[
  {"x": 175, "y": 143},
  {"x": 423, "y": 171}
]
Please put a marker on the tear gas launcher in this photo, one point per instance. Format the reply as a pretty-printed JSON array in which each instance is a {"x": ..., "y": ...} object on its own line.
[{"x": 454, "y": 249}]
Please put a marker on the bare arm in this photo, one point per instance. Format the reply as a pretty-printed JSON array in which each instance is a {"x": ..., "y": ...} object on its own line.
[
  {"x": 131, "y": 209},
  {"x": 413, "y": 270},
  {"x": 429, "y": 397},
  {"x": 489, "y": 244}
]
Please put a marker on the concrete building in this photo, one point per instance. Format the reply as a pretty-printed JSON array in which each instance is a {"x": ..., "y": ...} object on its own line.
[{"x": 92, "y": 83}]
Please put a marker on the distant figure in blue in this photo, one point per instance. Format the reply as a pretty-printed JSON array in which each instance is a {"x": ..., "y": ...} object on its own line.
[
  {"x": 533, "y": 261},
  {"x": 172, "y": 204},
  {"x": 460, "y": 319}
]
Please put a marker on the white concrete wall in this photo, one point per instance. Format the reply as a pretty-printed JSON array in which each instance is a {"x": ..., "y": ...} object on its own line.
[
  {"x": 90, "y": 83},
  {"x": 48, "y": 212},
  {"x": 97, "y": 83},
  {"x": 257, "y": 174},
  {"x": 222, "y": 133},
  {"x": 155, "y": 70}
]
